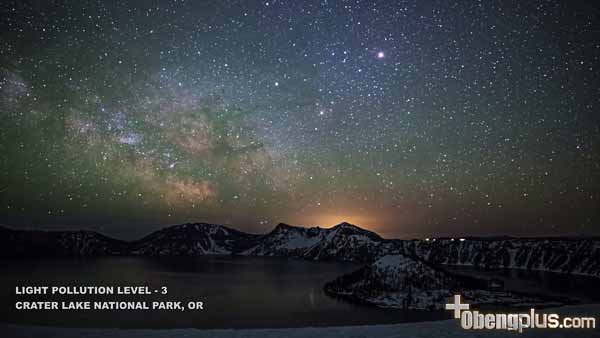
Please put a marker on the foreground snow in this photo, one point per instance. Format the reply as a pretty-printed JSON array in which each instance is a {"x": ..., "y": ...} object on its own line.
[{"x": 440, "y": 329}]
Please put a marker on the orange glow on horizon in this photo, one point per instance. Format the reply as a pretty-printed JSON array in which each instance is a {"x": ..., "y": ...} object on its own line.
[{"x": 331, "y": 219}]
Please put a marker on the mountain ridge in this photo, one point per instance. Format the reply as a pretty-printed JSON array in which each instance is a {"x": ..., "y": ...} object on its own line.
[{"x": 344, "y": 241}]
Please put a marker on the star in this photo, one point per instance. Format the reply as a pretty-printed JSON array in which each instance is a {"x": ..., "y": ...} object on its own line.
[{"x": 286, "y": 109}]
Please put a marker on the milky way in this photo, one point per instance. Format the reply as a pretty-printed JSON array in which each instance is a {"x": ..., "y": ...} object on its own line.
[{"x": 410, "y": 118}]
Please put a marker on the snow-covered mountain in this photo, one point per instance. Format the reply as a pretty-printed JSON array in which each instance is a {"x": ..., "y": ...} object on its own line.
[
  {"x": 194, "y": 240},
  {"x": 397, "y": 273},
  {"x": 29, "y": 243},
  {"x": 398, "y": 281},
  {"x": 344, "y": 242},
  {"x": 564, "y": 255}
]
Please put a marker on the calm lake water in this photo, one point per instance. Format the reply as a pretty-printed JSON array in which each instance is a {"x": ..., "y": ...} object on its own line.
[
  {"x": 238, "y": 292},
  {"x": 579, "y": 288}
]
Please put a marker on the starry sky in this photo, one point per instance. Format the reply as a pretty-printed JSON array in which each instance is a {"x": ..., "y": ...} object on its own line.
[{"x": 409, "y": 118}]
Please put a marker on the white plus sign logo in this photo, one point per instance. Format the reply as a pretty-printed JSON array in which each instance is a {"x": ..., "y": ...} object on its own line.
[{"x": 457, "y": 306}]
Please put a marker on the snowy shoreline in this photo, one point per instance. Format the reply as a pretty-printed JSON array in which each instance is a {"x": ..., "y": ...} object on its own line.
[{"x": 443, "y": 328}]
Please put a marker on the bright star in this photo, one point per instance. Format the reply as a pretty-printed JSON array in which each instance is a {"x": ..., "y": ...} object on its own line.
[{"x": 380, "y": 55}]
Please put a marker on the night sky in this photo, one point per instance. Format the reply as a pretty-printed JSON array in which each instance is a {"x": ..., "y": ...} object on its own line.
[{"x": 409, "y": 118}]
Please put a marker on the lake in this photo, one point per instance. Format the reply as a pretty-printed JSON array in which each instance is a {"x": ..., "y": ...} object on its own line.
[
  {"x": 576, "y": 287},
  {"x": 238, "y": 292}
]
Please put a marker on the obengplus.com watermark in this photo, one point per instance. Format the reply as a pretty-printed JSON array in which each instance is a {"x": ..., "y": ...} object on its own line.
[{"x": 474, "y": 320}]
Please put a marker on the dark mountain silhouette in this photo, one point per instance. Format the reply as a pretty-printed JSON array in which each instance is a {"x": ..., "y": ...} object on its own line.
[{"x": 345, "y": 242}]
